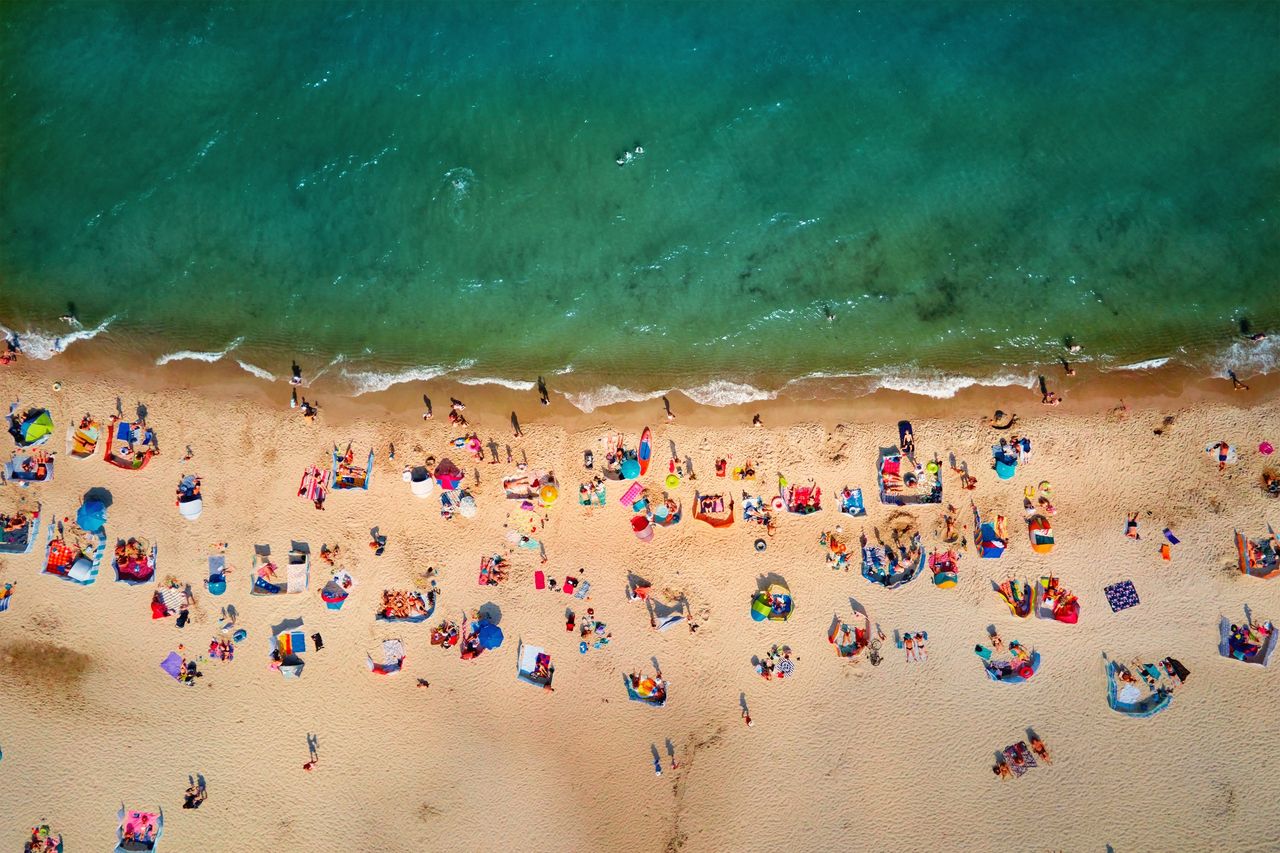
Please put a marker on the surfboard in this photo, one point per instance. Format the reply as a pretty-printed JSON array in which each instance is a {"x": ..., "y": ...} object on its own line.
[{"x": 646, "y": 450}]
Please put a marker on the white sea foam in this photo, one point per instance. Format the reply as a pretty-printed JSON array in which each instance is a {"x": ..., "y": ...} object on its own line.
[
  {"x": 1149, "y": 364},
  {"x": 45, "y": 345},
  {"x": 1247, "y": 358},
  {"x": 513, "y": 384},
  {"x": 721, "y": 392},
  {"x": 372, "y": 381},
  {"x": 609, "y": 395},
  {"x": 944, "y": 386},
  {"x": 256, "y": 371},
  {"x": 196, "y": 355}
]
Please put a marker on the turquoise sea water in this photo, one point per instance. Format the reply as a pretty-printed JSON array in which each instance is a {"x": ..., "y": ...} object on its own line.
[{"x": 418, "y": 187}]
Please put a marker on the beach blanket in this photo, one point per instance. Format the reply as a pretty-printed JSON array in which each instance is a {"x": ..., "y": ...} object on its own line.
[
  {"x": 172, "y": 665},
  {"x": 1017, "y": 751},
  {"x": 1121, "y": 596}
]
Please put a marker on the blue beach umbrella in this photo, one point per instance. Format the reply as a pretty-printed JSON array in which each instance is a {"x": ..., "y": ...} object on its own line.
[
  {"x": 490, "y": 635},
  {"x": 92, "y": 516},
  {"x": 630, "y": 469}
]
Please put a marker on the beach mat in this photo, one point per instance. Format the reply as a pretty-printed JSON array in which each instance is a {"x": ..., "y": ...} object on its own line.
[{"x": 1121, "y": 596}]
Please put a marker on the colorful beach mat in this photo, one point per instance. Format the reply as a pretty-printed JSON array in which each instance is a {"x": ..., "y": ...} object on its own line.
[
  {"x": 1121, "y": 596},
  {"x": 1016, "y": 751}
]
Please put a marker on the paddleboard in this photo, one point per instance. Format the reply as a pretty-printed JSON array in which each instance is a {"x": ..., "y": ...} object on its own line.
[{"x": 645, "y": 451}]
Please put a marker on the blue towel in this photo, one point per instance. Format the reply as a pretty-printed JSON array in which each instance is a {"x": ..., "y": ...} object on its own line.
[{"x": 266, "y": 586}]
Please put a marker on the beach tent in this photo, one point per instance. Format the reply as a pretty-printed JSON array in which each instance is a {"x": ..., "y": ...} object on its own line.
[
  {"x": 1061, "y": 607},
  {"x": 1128, "y": 700},
  {"x": 1259, "y": 558},
  {"x": 347, "y": 476},
  {"x": 28, "y": 469},
  {"x": 448, "y": 475},
  {"x": 945, "y": 569},
  {"x": 266, "y": 578},
  {"x": 392, "y": 655},
  {"x": 419, "y": 480},
  {"x": 21, "y": 527},
  {"x": 288, "y": 642},
  {"x": 73, "y": 553},
  {"x": 337, "y": 590},
  {"x": 713, "y": 509},
  {"x": 138, "y": 831},
  {"x": 882, "y": 568},
  {"x": 533, "y": 665},
  {"x": 1248, "y": 643},
  {"x": 216, "y": 583},
  {"x": 135, "y": 560},
  {"x": 31, "y": 429},
  {"x": 122, "y": 432},
  {"x": 82, "y": 438},
  {"x": 1018, "y": 595},
  {"x": 190, "y": 502},
  {"x": 773, "y": 603},
  {"x": 1041, "y": 533},
  {"x": 901, "y": 483},
  {"x": 851, "y": 502}
]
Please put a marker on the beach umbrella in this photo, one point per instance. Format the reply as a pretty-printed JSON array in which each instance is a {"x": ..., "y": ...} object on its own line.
[
  {"x": 630, "y": 469},
  {"x": 467, "y": 506},
  {"x": 786, "y": 666},
  {"x": 92, "y": 516},
  {"x": 448, "y": 475},
  {"x": 490, "y": 635}
]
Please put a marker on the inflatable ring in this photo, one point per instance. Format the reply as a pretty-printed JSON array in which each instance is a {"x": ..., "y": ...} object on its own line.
[
  {"x": 779, "y": 504},
  {"x": 761, "y": 545},
  {"x": 1026, "y": 671},
  {"x": 1266, "y": 448},
  {"x": 548, "y": 494},
  {"x": 1046, "y": 486},
  {"x": 672, "y": 481},
  {"x": 57, "y": 386}
]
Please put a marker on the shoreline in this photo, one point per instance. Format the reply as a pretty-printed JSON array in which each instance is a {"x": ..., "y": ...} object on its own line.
[{"x": 824, "y": 400}]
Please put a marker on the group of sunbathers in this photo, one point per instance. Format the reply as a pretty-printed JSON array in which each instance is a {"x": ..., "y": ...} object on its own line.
[
  {"x": 402, "y": 604},
  {"x": 1247, "y": 640},
  {"x": 771, "y": 663},
  {"x": 221, "y": 649},
  {"x": 1005, "y": 767},
  {"x": 745, "y": 471},
  {"x": 43, "y": 840},
  {"x": 35, "y": 466},
  {"x": 18, "y": 521}
]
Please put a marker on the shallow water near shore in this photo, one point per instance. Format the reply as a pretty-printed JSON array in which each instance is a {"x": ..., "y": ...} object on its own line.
[{"x": 398, "y": 192}]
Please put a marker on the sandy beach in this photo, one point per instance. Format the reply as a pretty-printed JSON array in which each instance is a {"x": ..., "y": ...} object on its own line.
[{"x": 840, "y": 754}]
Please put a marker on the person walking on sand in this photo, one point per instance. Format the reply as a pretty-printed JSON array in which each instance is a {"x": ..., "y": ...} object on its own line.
[
  {"x": 1236, "y": 384},
  {"x": 666, "y": 404},
  {"x": 426, "y": 401},
  {"x": 543, "y": 396}
]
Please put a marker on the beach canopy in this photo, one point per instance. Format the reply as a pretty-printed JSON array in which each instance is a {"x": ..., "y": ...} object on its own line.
[
  {"x": 34, "y": 427},
  {"x": 92, "y": 516},
  {"x": 490, "y": 635}
]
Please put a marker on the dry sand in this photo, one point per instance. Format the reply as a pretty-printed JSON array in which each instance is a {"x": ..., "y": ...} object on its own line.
[{"x": 842, "y": 755}]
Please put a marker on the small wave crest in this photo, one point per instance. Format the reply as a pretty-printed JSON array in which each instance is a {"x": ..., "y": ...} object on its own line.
[
  {"x": 1149, "y": 364},
  {"x": 372, "y": 381},
  {"x": 944, "y": 386},
  {"x": 609, "y": 395},
  {"x": 721, "y": 392},
  {"x": 197, "y": 355},
  {"x": 256, "y": 371},
  {"x": 42, "y": 346},
  {"x": 513, "y": 384}
]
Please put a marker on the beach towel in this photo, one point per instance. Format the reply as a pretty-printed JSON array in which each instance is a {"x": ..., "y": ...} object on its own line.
[
  {"x": 172, "y": 665},
  {"x": 539, "y": 579},
  {"x": 583, "y": 589},
  {"x": 1168, "y": 534},
  {"x": 1012, "y": 753},
  {"x": 1121, "y": 596}
]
